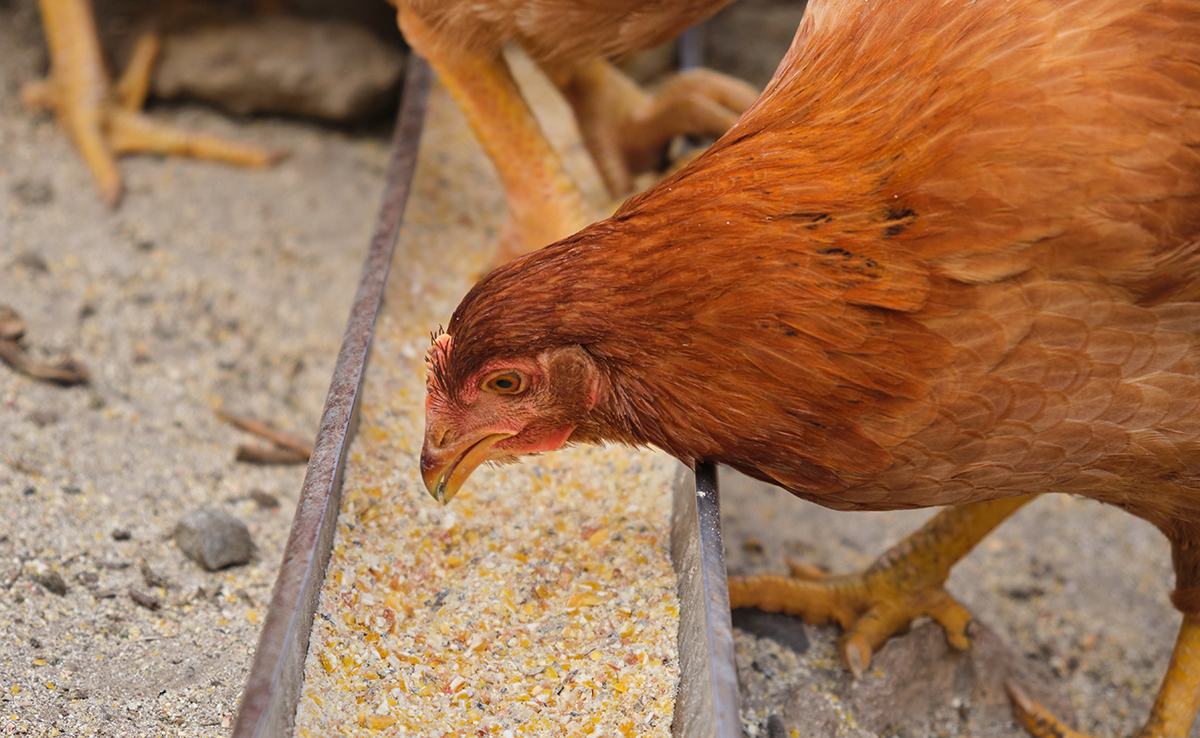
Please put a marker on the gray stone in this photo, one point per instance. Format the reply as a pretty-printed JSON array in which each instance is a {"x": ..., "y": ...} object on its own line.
[
  {"x": 214, "y": 539},
  {"x": 52, "y": 581},
  {"x": 328, "y": 69}
]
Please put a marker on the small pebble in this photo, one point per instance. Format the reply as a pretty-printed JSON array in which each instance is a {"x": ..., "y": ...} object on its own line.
[
  {"x": 150, "y": 602},
  {"x": 10, "y": 577},
  {"x": 785, "y": 630},
  {"x": 214, "y": 539},
  {"x": 120, "y": 534},
  {"x": 32, "y": 261},
  {"x": 264, "y": 500},
  {"x": 52, "y": 581}
]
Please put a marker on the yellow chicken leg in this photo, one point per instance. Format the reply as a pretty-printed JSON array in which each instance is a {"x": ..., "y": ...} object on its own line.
[
  {"x": 626, "y": 129},
  {"x": 904, "y": 583},
  {"x": 543, "y": 202},
  {"x": 105, "y": 121}
]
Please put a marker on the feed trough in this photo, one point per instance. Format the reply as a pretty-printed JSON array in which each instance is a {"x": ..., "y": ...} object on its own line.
[{"x": 440, "y": 622}]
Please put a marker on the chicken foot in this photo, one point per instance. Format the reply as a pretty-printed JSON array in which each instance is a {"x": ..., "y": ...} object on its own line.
[
  {"x": 904, "y": 583},
  {"x": 627, "y": 130},
  {"x": 105, "y": 121}
]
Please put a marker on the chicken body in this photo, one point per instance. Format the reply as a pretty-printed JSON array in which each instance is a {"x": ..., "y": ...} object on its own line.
[
  {"x": 949, "y": 257},
  {"x": 624, "y": 128}
]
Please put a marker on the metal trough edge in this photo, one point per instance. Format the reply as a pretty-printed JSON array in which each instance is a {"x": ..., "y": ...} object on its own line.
[{"x": 706, "y": 705}]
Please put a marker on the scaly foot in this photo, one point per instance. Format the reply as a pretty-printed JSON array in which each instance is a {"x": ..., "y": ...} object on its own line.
[
  {"x": 627, "y": 130},
  {"x": 905, "y": 583},
  {"x": 104, "y": 120}
]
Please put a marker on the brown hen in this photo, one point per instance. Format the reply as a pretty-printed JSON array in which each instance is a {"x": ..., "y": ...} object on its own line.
[
  {"x": 624, "y": 128},
  {"x": 949, "y": 257}
]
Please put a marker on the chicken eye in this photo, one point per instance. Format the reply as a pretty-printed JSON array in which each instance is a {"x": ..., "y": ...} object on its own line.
[{"x": 508, "y": 383}]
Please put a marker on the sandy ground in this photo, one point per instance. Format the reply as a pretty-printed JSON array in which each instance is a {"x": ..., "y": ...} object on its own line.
[
  {"x": 213, "y": 286},
  {"x": 210, "y": 286}
]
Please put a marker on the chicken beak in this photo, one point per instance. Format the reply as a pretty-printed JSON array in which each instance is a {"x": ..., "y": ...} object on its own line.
[{"x": 444, "y": 472}]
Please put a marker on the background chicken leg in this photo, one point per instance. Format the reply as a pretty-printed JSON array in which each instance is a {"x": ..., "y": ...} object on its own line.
[
  {"x": 625, "y": 129},
  {"x": 544, "y": 205},
  {"x": 105, "y": 122}
]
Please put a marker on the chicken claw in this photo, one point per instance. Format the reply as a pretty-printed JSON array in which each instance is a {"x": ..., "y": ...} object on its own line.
[
  {"x": 1036, "y": 719},
  {"x": 103, "y": 119},
  {"x": 626, "y": 130},
  {"x": 903, "y": 584}
]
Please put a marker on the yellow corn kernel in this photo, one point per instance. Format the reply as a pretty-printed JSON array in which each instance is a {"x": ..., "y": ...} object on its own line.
[{"x": 378, "y": 722}]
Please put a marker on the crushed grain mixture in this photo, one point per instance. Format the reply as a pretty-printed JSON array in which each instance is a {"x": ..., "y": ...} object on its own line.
[{"x": 542, "y": 604}]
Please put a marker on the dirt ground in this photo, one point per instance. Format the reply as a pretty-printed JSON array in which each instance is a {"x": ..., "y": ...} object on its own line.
[
  {"x": 209, "y": 287},
  {"x": 218, "y": 287}
]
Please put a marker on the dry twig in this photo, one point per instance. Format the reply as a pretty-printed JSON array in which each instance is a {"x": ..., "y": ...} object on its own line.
[
  {"x": 64, "y": 371},
  {"x": 289, "y": 448}
]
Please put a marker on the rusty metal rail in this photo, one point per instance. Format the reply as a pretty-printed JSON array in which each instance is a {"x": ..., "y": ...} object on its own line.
[{"x": 269, "y": 701}]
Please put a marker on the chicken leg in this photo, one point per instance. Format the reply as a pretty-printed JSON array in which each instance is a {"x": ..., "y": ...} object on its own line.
[
  {"x": 103, "y": 121},
  {"x": 544, "y": 204},
  {"x": 904, "y": 583},
  {"x": 624, "y": 128}
]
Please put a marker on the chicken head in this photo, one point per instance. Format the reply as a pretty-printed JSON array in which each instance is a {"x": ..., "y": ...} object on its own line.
[{"x": 507, "y": 408}]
